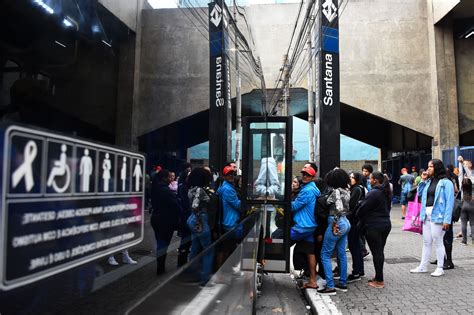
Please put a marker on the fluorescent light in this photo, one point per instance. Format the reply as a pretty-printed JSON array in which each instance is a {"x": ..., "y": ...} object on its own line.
[
  {"x": 470, "y": 34},
  {"x": 46, "y": 7},
  {"x": 60, "y": 44},
  {"x": 67, "y": 23},
  {"x": 110, "y": 45}
]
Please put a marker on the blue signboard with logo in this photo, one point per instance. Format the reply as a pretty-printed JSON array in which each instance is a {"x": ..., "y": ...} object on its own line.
[
  {"x": 64, "y": 202},
  {"x": 327, "y": 115},
  {"x": 220, "y": 110}
]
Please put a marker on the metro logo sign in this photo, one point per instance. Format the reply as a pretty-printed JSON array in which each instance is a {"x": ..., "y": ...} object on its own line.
[
  {"x": 329, "y": 10},
  {"x": 216, "y": 15}
]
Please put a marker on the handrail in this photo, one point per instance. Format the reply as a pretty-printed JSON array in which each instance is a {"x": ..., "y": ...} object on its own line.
[{"x": 251, "y": 218}]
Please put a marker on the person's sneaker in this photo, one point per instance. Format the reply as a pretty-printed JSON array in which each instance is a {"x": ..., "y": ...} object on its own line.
[
  {"x": 377, "y": 284},
  {"x": 341, "y": 287},
  {"x": 353, "y": 278},
  {"x": 327, "y": 291},
  {"x": 128, "y": 260},
  {"x": 418, "y": 270},
  {"x": 366, "y": 255},
  {"x": 362, "y": 274},
  {"x": 438, "y": 272},
  {"x": 463, "y": 243},
  {"x": 434, "y": 262},
  {"x": 112, "y": 261},
  {"x": 448, "y": 265}
]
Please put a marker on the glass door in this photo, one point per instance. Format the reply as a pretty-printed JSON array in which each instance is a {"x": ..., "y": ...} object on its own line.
[{"x": 267, "y": 165}]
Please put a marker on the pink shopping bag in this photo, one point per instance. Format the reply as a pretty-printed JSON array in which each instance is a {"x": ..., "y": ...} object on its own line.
[{"x": 412, "y": 219}]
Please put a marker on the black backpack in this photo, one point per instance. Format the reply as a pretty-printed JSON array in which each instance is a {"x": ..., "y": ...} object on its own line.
[{"x": 213, "y": 209}]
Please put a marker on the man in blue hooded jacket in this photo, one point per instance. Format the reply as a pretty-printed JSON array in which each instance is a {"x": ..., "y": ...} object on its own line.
[{"x": 305, "y": 222}]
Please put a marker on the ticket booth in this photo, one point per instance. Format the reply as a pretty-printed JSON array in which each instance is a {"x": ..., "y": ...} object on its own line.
[{"x": 266, "y": 184}]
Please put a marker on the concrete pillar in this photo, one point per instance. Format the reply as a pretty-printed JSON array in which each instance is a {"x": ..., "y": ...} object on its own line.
[
  {"x": 136, "y": 79},
  {"x": 124, "y": 111},
  {"x": 443, "y": 84}
]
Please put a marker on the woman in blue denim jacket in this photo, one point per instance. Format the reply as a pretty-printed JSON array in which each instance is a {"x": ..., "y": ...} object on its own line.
[{"x": 437, "y": 204}]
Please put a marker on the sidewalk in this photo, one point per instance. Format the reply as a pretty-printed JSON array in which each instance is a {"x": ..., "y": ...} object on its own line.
[{"x": 406, "y": 293}]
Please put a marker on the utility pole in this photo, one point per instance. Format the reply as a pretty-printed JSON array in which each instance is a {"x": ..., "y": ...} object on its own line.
[
  {"x": 310, "y": 95},
  {"x": 238, "y": 105}
]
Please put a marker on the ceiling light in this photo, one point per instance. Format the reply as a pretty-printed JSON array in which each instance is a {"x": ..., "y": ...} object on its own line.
[
  {"x": 46, "y": 7},
  {"x": 470, "y": 34},
  {"x": 60, "y": 44},
  {"x": 110, "y": 45}
]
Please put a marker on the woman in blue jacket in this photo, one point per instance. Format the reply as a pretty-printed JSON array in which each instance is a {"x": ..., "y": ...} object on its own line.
[{"x": 437, "y": 204}]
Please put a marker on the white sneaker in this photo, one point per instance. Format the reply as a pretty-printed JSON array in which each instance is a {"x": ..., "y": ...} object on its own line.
[
  {"x": 128, "y": 260},
  {"x": 438, "y": 272},
  {"x": 112, "y": 261},
  {"x": 419, "y": 270}
]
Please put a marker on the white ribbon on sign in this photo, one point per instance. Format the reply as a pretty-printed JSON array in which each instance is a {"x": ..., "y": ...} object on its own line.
[{"x": 26, "y": 168}]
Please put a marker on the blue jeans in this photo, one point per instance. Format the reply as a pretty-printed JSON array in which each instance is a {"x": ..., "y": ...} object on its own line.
[
  {"x": 200, "y": 241},
  {"x": 337, "y": 242}
]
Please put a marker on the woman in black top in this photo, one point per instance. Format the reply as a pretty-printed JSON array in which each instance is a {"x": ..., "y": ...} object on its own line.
[
  {"x": 374, "y": 222},
  {"x": 164, "y": 217},
  {"x": 467, "y": 210},
  {"x": 357, "y": 193}
]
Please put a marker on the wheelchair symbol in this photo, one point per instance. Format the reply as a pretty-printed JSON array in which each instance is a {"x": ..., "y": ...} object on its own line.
[{"x": 60, "y": 169}]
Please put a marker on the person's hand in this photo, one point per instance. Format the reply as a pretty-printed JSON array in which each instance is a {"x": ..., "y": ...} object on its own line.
[
  {"x": 445, "y": 226},
  {"x": 320, "y": 238},
  {"x": 460, "y": 159}
]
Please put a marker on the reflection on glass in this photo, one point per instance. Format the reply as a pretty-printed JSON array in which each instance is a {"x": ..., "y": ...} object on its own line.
[{"x": 267, "y": 164}]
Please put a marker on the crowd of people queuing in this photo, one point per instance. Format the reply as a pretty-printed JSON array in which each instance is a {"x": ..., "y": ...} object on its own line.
[{"x": 342, "y": 210}]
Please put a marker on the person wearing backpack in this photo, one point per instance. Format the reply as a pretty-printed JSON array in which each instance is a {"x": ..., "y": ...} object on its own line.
[
  {"x": 302, "y": 232},
  {"x": 230, "y": 204},
  {"x": 198, "y": 223},
  {"x": 357, "y": 194}
]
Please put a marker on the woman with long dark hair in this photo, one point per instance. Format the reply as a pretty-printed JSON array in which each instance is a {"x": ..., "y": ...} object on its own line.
[
  {"x": 198, "y": 181},
  {"x": 437, "y": 204},
  {"x": 374, "y": 222},
  {"x": 335, "y": 237},
  {"x": 357, "y": 194},
  {"x": 467, "y": 209}
]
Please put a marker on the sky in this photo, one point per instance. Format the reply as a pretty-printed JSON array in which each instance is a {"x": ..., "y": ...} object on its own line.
[
  {"x": 160, "y": 4},
  {"x": 351, "y": 149}
]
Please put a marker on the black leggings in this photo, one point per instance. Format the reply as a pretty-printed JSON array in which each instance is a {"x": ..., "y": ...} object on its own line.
[{"x": 376, "y": 238}]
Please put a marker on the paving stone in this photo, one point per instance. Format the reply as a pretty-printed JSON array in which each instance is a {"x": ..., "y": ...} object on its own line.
[{"x": 406, "y": 293}]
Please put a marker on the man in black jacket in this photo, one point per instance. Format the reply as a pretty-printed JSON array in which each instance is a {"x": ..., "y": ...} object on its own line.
[{"x": 165, "y": 216}]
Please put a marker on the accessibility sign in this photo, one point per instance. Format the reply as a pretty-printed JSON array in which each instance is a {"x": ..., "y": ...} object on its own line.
[{"x": 64, "y": 202}]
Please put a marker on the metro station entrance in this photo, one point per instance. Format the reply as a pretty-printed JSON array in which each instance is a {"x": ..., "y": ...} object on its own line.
[{"x": 266, "y": 184}]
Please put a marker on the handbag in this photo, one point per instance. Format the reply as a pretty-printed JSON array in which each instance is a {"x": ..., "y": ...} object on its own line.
[
  {"x": 412, "y": 193},
  {"x": 413, "y": 219},
  {"x": 457, "y": 208}
]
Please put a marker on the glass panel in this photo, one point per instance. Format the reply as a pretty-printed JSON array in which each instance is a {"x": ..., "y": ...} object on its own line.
[
  {"x": 230, "y": 290},
  {"x": 266, "y": 171}
]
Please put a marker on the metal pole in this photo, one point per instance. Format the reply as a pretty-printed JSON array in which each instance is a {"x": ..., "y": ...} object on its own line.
[
  {"x": 238, "y": 105},
  {"x": 310, "y": 100}
]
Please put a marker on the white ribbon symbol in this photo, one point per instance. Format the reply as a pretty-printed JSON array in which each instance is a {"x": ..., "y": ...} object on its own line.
[{"x": 26, "y": 169}]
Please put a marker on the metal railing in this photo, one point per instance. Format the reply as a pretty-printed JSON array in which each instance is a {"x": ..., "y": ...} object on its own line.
[{"x": 231, "y": 289}]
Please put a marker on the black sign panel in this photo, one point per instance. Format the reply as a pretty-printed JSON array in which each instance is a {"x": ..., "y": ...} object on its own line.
[
  {"x": 64, "y": 202},
  {"x": 328, "y": 110},
  {"x": 220, "y": 140}
]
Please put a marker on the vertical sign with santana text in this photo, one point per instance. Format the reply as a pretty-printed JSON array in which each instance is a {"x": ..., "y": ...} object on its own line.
[
  {"x": 328, "y": 109},
  {"x": 220, "y": 98}
]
